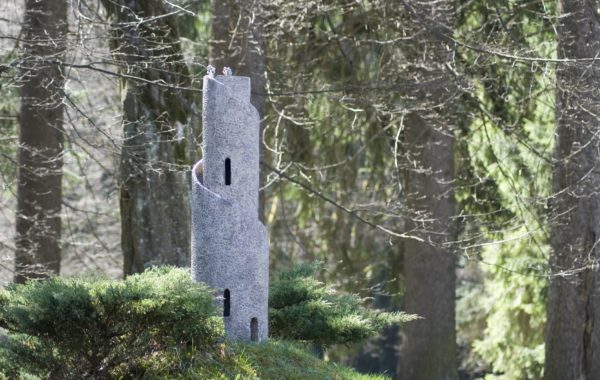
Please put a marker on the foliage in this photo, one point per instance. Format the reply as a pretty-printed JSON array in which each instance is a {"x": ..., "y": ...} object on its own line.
[
  {"x": 515, "y": 267},
  {"x": 506, "y": 169},
  {"x": 303, "y": 308},
  {"x": 333, "y": 129},
  {"x": 98, "y": 328},
  {"x": 158, "y": 324},
  {"x": 515, "y": 305}
]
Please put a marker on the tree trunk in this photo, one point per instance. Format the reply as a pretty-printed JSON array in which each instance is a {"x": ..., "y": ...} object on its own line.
[
  {"x": 154, "y": 166},
  {"x": 39, "y": 188},
  {"x": 573, "y": 324},
  {"x": 428, "y": 349},
  {"x": 429, "y": 344},
  {"x": 236, "y": 42}
]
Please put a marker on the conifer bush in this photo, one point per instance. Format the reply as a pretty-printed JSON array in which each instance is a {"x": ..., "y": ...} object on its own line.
[
  {"x": 162, "y": 325},
  {"x": 303, "y": 308},
  {"x": 98, "y": 328}
]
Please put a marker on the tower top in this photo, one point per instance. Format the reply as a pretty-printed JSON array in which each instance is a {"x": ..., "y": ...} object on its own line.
[
  {"x": 231, "y": 139},
  {"x": 221, "y": 86}
]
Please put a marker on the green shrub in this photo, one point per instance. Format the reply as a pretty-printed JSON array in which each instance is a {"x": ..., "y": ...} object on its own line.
[
  {"x": 302, "y": 308},
  {"x": 98, "y": 328},
  {"x": 161, "y": 325}
]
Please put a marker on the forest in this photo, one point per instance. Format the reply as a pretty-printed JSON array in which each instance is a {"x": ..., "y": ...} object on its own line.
[{"x": 429, "y": 168}]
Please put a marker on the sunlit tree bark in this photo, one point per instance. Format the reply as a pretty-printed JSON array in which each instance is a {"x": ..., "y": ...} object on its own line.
[
  {"x": 39, "y": 189},
  {"x": 573, "y": 327},
  {"x": 429, "y": 345},
  {"x": 154, "y": 157}
]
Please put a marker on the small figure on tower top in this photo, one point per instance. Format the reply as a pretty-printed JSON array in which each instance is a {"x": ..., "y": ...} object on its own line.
[{"x": 210, "y": 70}]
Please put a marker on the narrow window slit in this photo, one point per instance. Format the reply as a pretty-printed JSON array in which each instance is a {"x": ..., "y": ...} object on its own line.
[
  {"x": 227, "y": 172},
  {"x": 254, "y": 329},
  {"x": 226, "y": 303}
]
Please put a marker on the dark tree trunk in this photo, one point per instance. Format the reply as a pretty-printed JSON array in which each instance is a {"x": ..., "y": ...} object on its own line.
[
  {"x": 39, "y": 188},
  {"x": 236, "y": 42},
  {"x": 428, "y": 348},
  {"x": 154, "y": 188},
  {"x": 573, "y": 324},
  {"x": 429, "y": 344}
]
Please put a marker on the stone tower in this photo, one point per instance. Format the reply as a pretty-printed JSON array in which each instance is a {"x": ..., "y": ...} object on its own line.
[{"x": 229, "y": 243}]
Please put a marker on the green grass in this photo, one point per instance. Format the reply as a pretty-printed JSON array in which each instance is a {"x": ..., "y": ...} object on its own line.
[
  {"x": 280, "y": 360},
  {"x": 273, "y": 360}
]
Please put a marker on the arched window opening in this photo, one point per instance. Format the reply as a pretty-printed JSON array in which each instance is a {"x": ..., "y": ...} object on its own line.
[
  {"x": 254, "y": 329},
  {"x": 226, "y": 303},
  {"x": 227, "y": 171}
]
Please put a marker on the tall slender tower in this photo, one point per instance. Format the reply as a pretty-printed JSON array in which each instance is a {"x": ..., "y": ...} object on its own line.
[{"x": 229, "y": 243}]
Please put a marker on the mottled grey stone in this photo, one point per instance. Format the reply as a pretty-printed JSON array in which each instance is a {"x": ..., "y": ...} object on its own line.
[{"x": 230, "y": 248}]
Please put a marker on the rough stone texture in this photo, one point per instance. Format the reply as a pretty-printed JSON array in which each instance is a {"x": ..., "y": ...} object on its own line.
[{"x": 229, "y": 243}]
